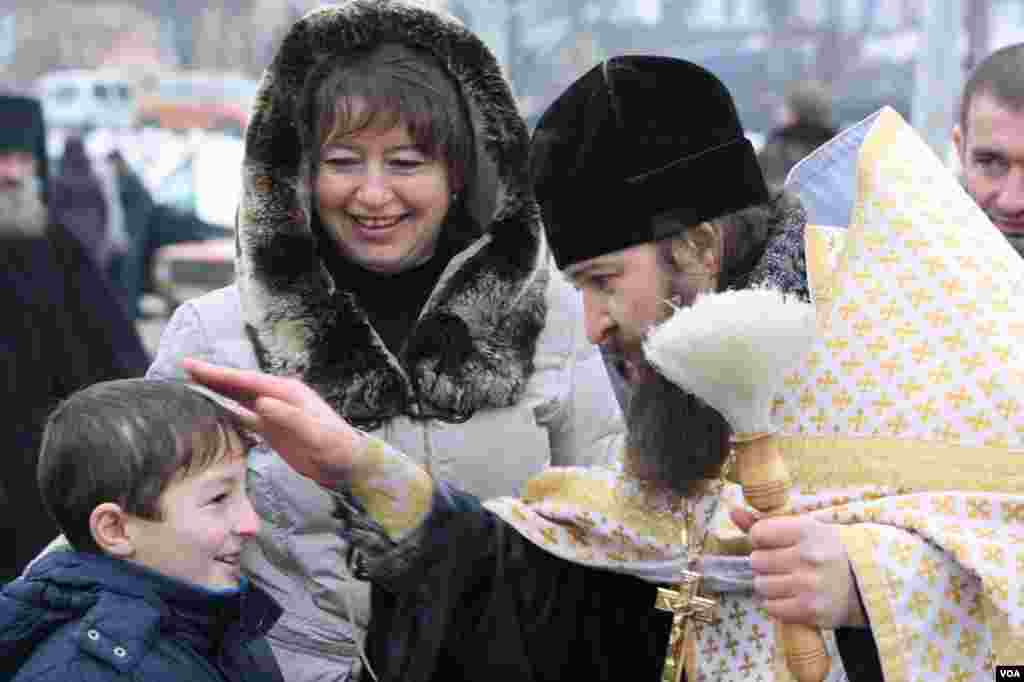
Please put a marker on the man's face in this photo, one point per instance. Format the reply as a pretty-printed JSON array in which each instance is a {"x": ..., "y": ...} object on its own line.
[
  {"x": 16, "y": 168},
  {"x": 625, "y": 293},
  {"x": 991, "y": 149}
]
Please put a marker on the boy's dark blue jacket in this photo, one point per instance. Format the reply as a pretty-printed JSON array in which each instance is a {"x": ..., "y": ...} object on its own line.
[{"x": 78, "y": 617}]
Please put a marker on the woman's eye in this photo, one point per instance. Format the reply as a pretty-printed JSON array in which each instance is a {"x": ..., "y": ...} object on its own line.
[
  {"x": 340, "y": 162},
  {"x": 407, "y": 164},
  {"x": 217, "y": 499}
]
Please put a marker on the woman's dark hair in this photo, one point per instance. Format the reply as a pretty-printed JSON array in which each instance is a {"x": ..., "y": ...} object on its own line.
[
  {"x": 125, "y": 441},
  {"x": 393, "y": 84}
]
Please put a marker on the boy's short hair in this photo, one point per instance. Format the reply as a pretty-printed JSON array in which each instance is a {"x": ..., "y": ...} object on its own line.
[{"x": 125, "y": 441}]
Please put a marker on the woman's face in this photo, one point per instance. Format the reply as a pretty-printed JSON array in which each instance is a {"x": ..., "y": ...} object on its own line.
[{"x": 382, "y": 199}]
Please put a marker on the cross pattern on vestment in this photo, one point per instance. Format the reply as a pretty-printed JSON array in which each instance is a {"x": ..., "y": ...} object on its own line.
[{"x": 686, "y": 604}]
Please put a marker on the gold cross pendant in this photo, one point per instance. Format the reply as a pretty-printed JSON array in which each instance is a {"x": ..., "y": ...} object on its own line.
[{"x": 685, "y": 604}]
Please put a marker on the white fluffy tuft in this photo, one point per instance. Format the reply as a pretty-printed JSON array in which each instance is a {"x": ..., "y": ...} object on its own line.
[{"x": 732, "y": 349}]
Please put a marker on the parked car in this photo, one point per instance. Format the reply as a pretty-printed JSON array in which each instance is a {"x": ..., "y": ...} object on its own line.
[
  {"x": 189, "y": 269},
  {"x": 87, "y": 99},
  {"x": 203, "y": 177},
  {"x": 205, "y": 101}
]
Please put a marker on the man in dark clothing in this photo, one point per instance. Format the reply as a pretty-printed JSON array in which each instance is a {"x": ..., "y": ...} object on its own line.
[
  {"x": 149, "y": 225},
  {"x": 77, "y": 202},
  {"x": 806, "y": 125},
  {"x": 62, "y": 330}
]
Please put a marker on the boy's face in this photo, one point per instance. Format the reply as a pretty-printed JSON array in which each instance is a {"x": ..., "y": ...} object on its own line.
[{"x": 207, "y": 518}]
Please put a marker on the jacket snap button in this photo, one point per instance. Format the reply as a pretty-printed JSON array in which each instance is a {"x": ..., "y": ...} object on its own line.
[
  {"x": 93, "y": 635},
  {"x": 120, "y": 652}
]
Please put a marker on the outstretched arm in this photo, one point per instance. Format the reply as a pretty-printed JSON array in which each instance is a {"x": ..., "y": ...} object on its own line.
[{"x": 319, "y": 444}]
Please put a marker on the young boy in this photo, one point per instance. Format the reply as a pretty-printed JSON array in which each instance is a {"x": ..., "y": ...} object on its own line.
[{"x": 146, "y": 479}]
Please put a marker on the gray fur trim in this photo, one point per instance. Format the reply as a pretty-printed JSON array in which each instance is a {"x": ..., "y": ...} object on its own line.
[
  {"x": 770, "y": 249},
  {"x": 303, "y": 323}
]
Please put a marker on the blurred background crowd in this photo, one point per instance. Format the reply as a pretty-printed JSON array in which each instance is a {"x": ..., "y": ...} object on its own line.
[{"x": 157, "y": 93}]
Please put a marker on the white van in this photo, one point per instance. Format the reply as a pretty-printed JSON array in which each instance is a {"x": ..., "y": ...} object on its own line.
[{"x": 80, "y": 98}]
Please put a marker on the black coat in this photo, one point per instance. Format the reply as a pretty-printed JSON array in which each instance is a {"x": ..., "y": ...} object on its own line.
[
  {"x": 786, "y": 146},
  {"x": 62, "y": 330},
  {"x": 478, "y": 601}
]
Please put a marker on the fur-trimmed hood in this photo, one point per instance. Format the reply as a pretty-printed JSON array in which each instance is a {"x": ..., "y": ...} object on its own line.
[{"x": 473, "y": 345}]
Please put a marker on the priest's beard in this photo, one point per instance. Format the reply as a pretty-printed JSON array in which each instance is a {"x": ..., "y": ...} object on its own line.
[
  {"x": 22, "y": 211},
  {"x": 675, "y": 440}
]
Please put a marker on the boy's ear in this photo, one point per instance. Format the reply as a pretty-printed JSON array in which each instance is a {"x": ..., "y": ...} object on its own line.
[{"x": 108, "y": 526}]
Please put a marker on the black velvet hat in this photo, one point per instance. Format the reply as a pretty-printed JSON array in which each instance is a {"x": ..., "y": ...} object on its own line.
[
  {"x": 634, "y": 137},
  {"x": 22, "y": 130}
]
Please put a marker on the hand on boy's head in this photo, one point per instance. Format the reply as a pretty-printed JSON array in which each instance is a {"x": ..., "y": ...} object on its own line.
[{"x": 293, "y": 419}]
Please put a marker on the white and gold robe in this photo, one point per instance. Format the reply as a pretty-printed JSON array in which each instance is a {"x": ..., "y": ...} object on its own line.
[{"x": 904, "y": 424}]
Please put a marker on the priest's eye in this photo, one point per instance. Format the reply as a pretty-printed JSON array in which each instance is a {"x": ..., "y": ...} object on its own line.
[
  {"x": 592, "y": 282},
  {"x": 600, "y": 282},
  {"x": 993, "y": 166}
]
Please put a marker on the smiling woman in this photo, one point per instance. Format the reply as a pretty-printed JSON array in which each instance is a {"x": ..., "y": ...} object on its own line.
[{"x": 390, "y": 254}]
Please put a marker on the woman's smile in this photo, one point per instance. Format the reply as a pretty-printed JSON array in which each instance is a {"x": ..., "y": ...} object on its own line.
[{"x": 377, "y": 222}]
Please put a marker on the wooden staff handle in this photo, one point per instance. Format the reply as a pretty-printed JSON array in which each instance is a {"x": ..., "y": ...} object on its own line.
[{"x": 765, "y": 482}]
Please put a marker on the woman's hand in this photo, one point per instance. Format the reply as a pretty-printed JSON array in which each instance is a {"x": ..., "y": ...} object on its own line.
[{"x": 293, "y": 419}]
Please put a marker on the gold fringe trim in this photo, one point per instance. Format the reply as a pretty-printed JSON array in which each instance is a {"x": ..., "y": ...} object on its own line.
[
  {"x": 819, "y": 243},
  {"x": 577, "y": 488},
  {"x": 860, "y": 547},
  {"x": 384, "y": 470},
  {"x": 877, "y": 144},
  {"x": 821, "y": 462},
  {"x": 1006, "y": 647}
]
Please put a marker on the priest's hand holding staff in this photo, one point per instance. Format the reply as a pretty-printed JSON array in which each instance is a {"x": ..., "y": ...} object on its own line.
[{"x": 802, "y": 571}]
